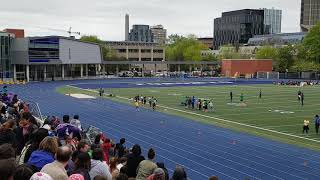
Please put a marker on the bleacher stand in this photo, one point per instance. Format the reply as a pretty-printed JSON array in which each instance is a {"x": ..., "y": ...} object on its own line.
[{"x": 53, "y": 149}]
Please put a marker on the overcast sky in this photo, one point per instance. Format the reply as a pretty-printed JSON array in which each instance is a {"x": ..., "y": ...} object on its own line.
[{"x": 105, "y": 18}]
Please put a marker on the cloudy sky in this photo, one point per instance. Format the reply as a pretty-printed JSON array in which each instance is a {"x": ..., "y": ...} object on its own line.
[{"x": 105, "y": 18}]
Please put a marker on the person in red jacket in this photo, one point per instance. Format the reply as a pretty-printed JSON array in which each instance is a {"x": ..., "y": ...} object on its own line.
[{"x": 106, "y": 146}]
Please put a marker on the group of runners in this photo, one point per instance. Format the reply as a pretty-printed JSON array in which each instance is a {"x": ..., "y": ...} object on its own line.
[{"x": 142, "y": 100}]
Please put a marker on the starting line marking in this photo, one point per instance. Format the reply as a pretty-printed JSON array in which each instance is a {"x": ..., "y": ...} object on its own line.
[{"x": 216, "y": 118}]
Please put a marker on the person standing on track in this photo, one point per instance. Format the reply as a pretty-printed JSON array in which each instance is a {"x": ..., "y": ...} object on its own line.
[
  {"x": 101, "y": 91},
  {"x": 241, "y": 97},
  {"x": 154, "y": 103},
  {"x": 299, "y": 95},
  {"x": 302, "y": 99},
  {"x": 136, "y": 103},
  {"x": 316, "y": 123},
  {"x": 231, "y": 96},
  {"x": 260, "y": 94},
  {"x": 193, "y": 101},
  {"x": 305, "y": 126}
]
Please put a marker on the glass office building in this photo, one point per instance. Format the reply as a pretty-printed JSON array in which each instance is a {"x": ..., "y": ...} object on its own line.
[
  {"x": 272, "y": 21},
  {"x": 237, "y": 27},
  {"x": 5, "y": 59},
  {"x": 310, "y": 14}
]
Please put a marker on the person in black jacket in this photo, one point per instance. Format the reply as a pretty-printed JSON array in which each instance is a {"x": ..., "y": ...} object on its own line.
[
  {"x": 7, "y": 134},
  {"x": 133, "y": 160},
  {"x": 36, "y": 138},
  {"x": 120, "y": 148},
  {"x": 24, "y": 130}
]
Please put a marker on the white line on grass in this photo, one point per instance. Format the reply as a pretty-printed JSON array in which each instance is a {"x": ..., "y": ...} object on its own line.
[{"x": 216, "y": 118}]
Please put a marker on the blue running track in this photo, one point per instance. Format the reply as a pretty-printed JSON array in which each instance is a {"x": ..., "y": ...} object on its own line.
[{"x": 202, "y": 149}]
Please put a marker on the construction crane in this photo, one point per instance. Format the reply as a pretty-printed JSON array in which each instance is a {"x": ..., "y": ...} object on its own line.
[{"x": 70, "y": 32}]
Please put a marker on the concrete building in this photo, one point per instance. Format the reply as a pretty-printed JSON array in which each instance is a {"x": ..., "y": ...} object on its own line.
[
  {"x": 54, "y": 58},
  {"x": 159, "y": 34},
  {"x": 140, "y": 33},
  {"x": 5, "y": 55},
  {"x": 310, "y": 14},
  {"x": 272, "y": 21},
  {"x": 208, "y": 41},
  {"x": 139, "y": 51},
  {"x": 277, "y": 39}
]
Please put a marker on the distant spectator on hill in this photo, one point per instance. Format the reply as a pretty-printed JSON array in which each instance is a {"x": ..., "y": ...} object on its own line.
[
  {"x": 24, "y": 130},
  {"x": 98, "y": 167},
  {"x": 133, "y": 160},
  {"x": 120, "y": 148},
  {"x": 45, "y": 154},
  {"x": 76, "y": 122},
  {"x": 23, "y": 171},
  {"x": 82, "y": 166},
  {"x": 146, "y": 167},
  {"x": 67, "y": 129},
  {"x": 56, "y": 169},
  {"x": 7, "y": 134},
  {"x": 179, "y": 174}
]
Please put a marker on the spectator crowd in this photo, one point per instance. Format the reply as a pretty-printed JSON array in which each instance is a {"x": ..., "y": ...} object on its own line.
[{"x": 58, "y": 150}]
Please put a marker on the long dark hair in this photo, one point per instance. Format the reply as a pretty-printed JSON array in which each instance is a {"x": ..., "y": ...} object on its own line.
[{"x": 82, "y": 162}]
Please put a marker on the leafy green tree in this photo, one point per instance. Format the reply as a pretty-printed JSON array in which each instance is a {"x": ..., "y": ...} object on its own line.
[
  {"x": 266, "y": 52},
  {"x": 90, "y": 38},
  {"x": 312, "y": 43},
  {"x": 229, "y": 52},
  {"x": 107, "y": 52},
  {"x": 184, "y": 48},
  {"x": 284, "y": 59}
]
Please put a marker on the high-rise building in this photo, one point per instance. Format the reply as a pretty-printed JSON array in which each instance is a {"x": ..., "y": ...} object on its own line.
[
  {"x": 237, "y": 27},
  {"x": 5, "y": 58},
  {"x": 159, "y": 34},
  {"x": 127, "y": 27},
  {"x": 310, "y": 14},
  {"x": 272, "y": 21},
  {"x": 140, "y": 33}
]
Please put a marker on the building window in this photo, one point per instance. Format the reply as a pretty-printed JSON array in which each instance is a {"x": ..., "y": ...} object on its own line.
[
  {"x": 133, "y": 50},
  {"x": 122, "y": 50}
]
